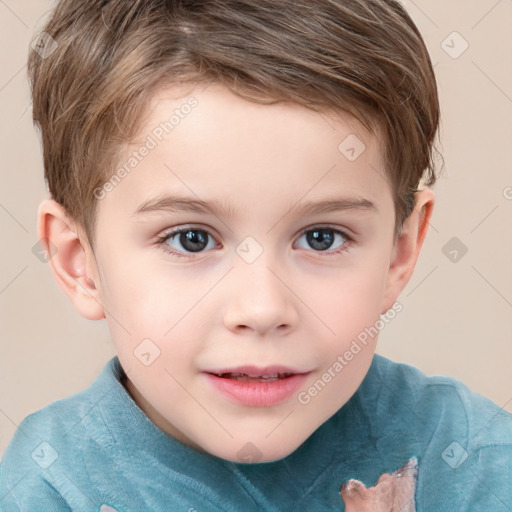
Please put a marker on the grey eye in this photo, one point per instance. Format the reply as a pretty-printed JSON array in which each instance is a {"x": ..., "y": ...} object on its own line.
[
  {"x": 321, "y": 239},
  {"x": 191, "y": 240}
]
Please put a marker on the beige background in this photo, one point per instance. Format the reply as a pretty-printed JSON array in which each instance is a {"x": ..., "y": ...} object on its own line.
[{"x": 457, "y": 315}]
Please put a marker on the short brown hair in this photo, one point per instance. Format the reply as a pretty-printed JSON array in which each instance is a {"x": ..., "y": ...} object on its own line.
[{"x": 365, "y": 58}]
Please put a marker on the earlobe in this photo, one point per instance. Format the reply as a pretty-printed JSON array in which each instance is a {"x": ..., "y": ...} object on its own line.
[
  {"x": 71, "y": 259},
  {"x": 407, "y": 247}
]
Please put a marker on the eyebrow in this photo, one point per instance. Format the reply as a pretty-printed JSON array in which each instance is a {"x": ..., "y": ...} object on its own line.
[{"x": 175, "y": 203}]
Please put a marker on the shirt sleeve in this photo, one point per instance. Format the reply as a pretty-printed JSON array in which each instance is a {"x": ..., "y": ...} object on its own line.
[
  {"x": 25, "y": 474},
  {"x": 27, "y": 492},
  {"x": 490, "y": 480}
]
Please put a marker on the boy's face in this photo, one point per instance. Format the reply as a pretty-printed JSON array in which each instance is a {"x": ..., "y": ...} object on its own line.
[{"x": 262, "y": 283}]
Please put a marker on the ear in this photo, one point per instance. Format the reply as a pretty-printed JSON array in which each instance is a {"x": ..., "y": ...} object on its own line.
[
  {"x": 71, "y": 259},
  {"x": 407, "y": 247}
]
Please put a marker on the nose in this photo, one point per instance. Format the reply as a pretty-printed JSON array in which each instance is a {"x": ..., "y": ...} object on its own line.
[{"x": 260, "y": 300}]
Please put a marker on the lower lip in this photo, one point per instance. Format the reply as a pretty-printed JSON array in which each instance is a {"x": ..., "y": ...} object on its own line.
[{"x": 258, "y": 394}]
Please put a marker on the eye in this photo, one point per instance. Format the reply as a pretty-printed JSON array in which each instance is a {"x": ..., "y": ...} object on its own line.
[
  {"x": 323, "y": 238},
  {"x": 189, "y": 240},
  {"x": 186, "y": 240}
]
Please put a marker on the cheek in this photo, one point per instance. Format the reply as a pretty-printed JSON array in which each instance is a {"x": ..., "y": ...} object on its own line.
[
  {"x": 147, "y": 301},
  {"x": 347, "y": 347},
  {"x": 136, "y": 293},
  {"x": 350, "y": 301}
]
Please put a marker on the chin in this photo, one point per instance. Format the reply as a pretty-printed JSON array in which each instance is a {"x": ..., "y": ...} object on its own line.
[{"x": 257, "y": 451}]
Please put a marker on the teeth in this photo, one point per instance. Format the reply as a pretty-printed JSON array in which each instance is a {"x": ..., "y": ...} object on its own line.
[
  {"x": 235, "y": 375},
  {"x": 267, "y": 376}
]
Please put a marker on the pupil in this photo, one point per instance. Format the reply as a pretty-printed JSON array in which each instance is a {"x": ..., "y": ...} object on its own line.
[
  {"x": 193, "y": 240},
  {"x": 320, "y": 239}
]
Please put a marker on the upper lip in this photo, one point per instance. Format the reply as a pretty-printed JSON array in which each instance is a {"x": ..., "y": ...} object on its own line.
[{"x": 257, "y": 371}]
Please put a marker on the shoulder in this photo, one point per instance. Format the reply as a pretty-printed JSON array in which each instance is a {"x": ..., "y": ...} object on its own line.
[
  {"x": 462, "y": 440},
  {"x": 48, "y": 440},
  {"x": 58, "y": 421},
  {"x": 439, "y": 400}
]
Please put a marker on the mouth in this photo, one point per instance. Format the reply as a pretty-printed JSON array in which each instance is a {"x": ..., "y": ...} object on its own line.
[
  {"x": 256, "y": 387},
  {"x": 246, "y": 377},
  {"x": 249, "y": 373}
]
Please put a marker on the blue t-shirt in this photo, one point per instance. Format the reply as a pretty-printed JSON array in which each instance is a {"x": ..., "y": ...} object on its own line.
[{"x": 97, "y": 450}]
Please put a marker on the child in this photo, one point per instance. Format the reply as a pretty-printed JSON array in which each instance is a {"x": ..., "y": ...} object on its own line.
[{"x": 235, "y": 188}]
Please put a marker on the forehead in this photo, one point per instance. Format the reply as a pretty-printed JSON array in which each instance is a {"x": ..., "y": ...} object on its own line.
[
  {"x": 208, "y": 142},
  {"x": 212, "y": 111}
]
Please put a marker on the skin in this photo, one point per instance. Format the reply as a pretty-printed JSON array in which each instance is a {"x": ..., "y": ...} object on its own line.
[{"x": 295, "y": 305}]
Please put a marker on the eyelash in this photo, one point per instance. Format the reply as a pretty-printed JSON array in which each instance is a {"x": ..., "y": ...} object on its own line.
[{"x": 162, "y": 241}]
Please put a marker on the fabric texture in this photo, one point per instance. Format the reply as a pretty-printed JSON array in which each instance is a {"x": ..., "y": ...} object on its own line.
[{"x": 97, "y": 451}]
